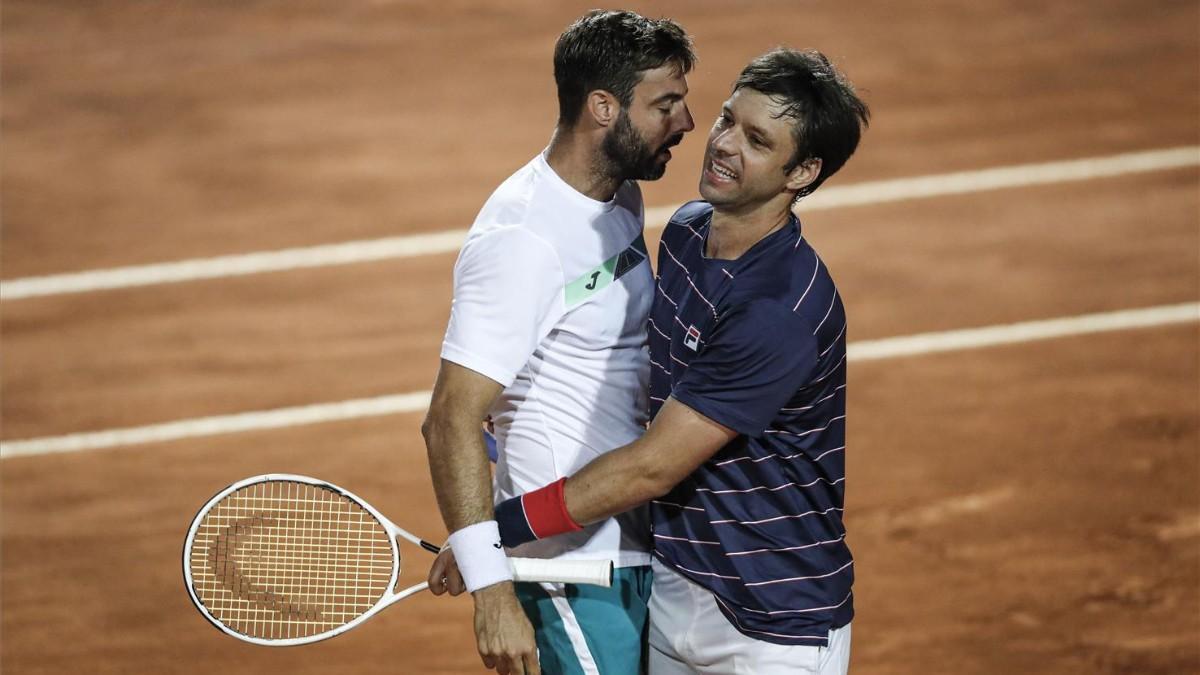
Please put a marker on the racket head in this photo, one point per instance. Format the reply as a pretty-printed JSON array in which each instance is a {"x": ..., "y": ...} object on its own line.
[{"x": 258, "y": 564}]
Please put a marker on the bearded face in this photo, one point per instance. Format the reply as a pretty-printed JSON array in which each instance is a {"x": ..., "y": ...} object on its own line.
[{"x": 631, "y": 157}]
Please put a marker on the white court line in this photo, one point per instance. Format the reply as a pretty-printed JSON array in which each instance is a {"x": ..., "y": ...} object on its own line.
[
  {"x": 971, "y": 338},
  {"x": 223, "y": 424},
  {"x": 834, "y": 196},
  {"x": 911, "y": 345}
]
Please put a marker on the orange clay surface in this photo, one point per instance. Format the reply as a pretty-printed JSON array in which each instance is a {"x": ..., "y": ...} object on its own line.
[{"x": 1026, "y": 509}]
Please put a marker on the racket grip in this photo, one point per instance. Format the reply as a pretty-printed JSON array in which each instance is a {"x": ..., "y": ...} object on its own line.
[{"x": 595, "y": 572}]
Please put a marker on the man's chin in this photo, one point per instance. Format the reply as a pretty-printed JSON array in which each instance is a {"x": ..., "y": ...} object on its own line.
[
  {"x": 708, "y": 191},
  {"x": 715, "y": 195},
  {"x": 653, "y": 171}
]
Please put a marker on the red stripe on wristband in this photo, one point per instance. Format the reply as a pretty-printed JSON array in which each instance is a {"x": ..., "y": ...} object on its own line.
[{"x": 546, "y": 510}]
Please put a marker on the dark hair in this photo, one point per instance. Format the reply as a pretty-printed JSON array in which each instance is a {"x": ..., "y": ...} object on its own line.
[
  {"x": 827, "y": 116},
  {"x": 609, "y": 50}
]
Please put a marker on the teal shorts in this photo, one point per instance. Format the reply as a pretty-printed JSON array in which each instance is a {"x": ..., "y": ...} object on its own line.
[{"x": 583, "y": 629}]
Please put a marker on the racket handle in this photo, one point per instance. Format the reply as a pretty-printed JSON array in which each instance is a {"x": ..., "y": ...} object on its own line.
[{"x": 595, "y": 572}]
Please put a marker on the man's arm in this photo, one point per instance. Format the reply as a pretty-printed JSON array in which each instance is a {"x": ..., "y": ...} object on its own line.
[
  {"x": 458, "y": 460},
  {"x": 754, "y": 360},
  {"x": 678, "y": 441},
  {"x": 462, "y": 481},
  {"x": 676, "y": 444}
]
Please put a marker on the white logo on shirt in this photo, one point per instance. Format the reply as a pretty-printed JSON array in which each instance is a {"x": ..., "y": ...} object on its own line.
[{"x": 692, "y": 339}]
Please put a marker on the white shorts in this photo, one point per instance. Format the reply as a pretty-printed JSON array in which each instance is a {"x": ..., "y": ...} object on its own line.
[{"x": 689, "y": 635}]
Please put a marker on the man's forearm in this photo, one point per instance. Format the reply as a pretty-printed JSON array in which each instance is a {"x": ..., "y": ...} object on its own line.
[
  {"x": 462, "y": 482},
  {"x": 678, "y": 441},
  {"x": 458, "y": 465},
  {"x": 613, "y": 483},
  {"x": 610, "y": 484}
]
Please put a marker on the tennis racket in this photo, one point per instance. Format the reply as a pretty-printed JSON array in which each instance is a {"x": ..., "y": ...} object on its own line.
[{"x": 285, "y": 560}]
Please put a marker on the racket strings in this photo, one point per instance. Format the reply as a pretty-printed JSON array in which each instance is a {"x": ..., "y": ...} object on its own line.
[{"x": 281, "y": 559}]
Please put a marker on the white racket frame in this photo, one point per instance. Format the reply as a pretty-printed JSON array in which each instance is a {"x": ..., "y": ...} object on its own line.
[{"x": 596, "y": 572}]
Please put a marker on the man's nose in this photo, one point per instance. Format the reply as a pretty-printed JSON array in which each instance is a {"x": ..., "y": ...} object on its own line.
[
  {"x": 722, "y": 142},
  {"x": 687, "y": 123}
]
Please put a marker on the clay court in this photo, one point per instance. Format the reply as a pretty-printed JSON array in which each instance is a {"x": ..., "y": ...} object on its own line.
[{"x": 1027, "y": 503}]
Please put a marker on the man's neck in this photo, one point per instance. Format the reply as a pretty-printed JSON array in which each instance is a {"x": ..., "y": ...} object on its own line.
[
  {"x": 733, "y": 233},
  {"x": 576, "y": 159}
]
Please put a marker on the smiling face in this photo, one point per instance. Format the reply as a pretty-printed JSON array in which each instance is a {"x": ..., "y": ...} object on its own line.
[
  {"x": 748, "y": 150},
  {"x": 637, "y": 146}
]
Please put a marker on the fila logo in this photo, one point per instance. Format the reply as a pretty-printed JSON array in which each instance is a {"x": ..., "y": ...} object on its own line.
[{"x": 692, "y": 339}]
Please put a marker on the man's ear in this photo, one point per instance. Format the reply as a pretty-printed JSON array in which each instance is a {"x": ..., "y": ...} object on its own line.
[
  {"x": 804, "y": 174},
  {"x": 603, "y": 107}
]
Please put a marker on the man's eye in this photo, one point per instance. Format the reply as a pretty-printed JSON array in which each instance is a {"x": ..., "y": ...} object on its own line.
[{"x": 665, "y": 111}]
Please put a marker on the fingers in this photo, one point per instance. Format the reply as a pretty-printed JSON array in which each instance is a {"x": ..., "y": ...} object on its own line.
[
  {"x": 437, "y": 575},
  {"x": 516, "y": 664},
  {"x": 454, "y": 579},
  {"x": 503, "y": 634},
  {"x": 455, "y": 584},
  {"x": 509, "y": 659},
  {"x": 504, "y": 665},
  {"x": 513, "y": 664},
  {"x": 444, "y": 575}
]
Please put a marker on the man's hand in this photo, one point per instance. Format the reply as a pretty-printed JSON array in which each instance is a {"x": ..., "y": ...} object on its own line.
[
  {"x": 444, "y": 575},
  {"x": 503, "y": 633}
]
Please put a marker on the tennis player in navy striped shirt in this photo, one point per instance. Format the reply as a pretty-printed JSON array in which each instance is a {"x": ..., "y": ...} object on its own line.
[{"x": 744, "y": 462}]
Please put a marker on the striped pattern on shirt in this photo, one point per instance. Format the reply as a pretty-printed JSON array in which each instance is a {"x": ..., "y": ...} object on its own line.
[{"x": 757, "y": 344}]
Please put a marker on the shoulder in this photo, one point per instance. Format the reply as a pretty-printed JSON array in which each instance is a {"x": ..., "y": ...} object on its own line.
[
  {"x": 511, "y": 247},
  {"x": 690, "y": 213},
  {"x": 688, "y": 222},
  {"x": 510, "y": 201},
  {"x": 513, "y": 217},
  {"x": 811, "y": 281}
]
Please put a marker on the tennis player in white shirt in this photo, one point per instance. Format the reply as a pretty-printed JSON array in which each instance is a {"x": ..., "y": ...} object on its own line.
[{"x": 547, "y": 335}]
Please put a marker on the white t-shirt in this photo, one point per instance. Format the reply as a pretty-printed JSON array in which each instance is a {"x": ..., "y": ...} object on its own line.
[{"x": 551, "y": 293}]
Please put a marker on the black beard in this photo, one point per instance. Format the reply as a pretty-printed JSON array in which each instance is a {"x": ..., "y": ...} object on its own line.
[{"x": 629, "y": 156}]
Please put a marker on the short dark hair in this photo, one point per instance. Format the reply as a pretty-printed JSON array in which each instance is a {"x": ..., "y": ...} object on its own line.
[
  {"x": 827, "y": 116},
  {"x": 609, "y": 50}
]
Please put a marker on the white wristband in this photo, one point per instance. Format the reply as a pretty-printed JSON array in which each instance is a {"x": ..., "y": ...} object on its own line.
[{"x": 480, "y": 556}]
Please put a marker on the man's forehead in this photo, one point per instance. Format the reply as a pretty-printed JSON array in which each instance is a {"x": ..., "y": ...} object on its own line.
[
  {"x": 667, "y": 78},
  {"x": 763, "y": 109}
]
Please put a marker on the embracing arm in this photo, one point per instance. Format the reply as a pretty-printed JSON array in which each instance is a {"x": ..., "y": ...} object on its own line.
[
  {"x": 678, "y": 441},
  {"x": 752, "y": 364}
]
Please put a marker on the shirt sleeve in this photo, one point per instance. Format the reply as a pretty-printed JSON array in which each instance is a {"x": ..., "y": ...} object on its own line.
[
  {"x": 758, "y": 356},
  {"x": 508, "y": 293}
]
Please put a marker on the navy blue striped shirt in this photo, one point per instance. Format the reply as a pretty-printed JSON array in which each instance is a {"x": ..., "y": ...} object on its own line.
[{"x": 757, "y": 344}]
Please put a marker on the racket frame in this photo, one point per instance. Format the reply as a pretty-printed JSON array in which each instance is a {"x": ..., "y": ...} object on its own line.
[
  {"x": 596, "y": 572},
  {"x": 389, "y": 597}
]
